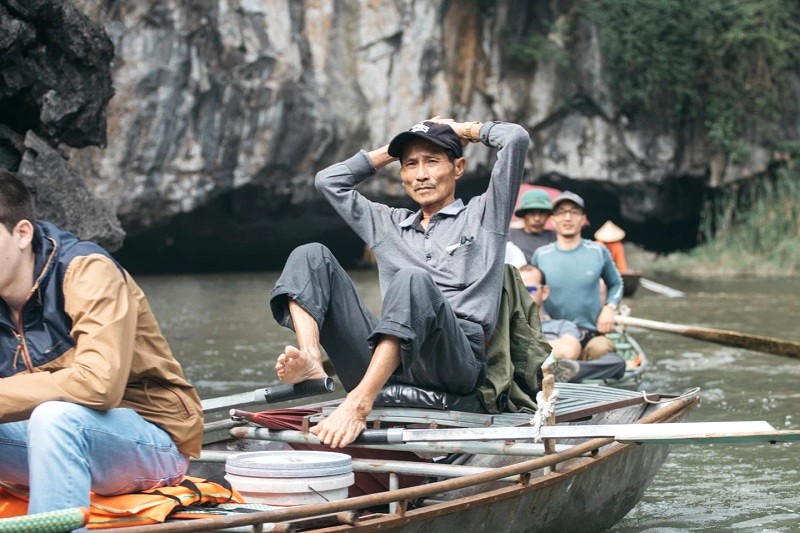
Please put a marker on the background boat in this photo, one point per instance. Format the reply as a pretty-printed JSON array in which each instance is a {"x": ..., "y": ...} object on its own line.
[{"x": 635, "y": 360}]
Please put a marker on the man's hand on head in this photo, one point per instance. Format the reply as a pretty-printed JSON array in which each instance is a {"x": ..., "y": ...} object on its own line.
[{"x": 461, "y": 128}]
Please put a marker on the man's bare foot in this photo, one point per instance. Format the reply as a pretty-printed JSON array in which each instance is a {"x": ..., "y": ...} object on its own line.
[
  {"x": 294, "y": 366},
  {"x": 344, "y": 424}
]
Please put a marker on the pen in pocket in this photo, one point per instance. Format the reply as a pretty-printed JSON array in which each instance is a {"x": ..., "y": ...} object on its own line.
[{"x": 465, "y": 241}]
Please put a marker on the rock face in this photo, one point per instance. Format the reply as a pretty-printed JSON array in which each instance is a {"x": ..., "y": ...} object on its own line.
[
  {"x": 64, "y": 198},
  {"x": 224, "y": 110},
  {"x": 55, "y": 83}
]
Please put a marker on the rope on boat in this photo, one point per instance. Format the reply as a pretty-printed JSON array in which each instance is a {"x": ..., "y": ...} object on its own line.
[
  {"x": 47, "y": 522},
  {"x": 544, "y": 409},
  {"x": 689, "y": 392}
]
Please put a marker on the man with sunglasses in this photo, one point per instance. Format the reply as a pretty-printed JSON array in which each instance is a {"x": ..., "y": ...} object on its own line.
[
  {"x": 564, "y": 337},
  {"x": 574, "y": 267}
]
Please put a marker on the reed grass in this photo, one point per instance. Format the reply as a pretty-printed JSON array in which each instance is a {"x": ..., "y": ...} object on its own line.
[{"x": 752, "y": 231}]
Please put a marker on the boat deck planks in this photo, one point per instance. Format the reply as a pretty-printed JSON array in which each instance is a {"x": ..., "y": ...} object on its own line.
[{"x": 574, "y": 401}]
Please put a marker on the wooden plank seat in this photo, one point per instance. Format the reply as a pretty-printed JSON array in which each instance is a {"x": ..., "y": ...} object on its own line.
[{"x": 574, "y": 402}]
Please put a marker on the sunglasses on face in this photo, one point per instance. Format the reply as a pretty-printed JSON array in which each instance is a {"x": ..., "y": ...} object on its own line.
[{"x": 532, "y": 288}]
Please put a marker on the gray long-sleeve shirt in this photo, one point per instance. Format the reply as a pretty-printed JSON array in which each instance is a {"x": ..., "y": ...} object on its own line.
[{"x": 464, "y": 246}]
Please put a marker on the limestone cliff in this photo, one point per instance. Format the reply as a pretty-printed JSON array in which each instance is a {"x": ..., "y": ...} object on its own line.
[
  {"x": 55, "y": 82},
  {"x": 224, "y": 110}
]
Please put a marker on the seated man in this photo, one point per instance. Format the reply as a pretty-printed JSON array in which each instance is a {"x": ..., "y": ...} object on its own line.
[
  {"x": 564, "y": 337},
  {"x": 91, "y": 398},
  {"x": 534, "y": 209},
  {"x": 574, "y": 267},
  {"x": 440, "y": 271}
]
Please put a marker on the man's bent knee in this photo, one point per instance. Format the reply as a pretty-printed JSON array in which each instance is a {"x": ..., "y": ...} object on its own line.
[
  {"x": 312, "y": 249},
  {"x": 48, "y": 412},
  {"x": 51, "y": 421},
  {"x": 412, "y": 277},
  {"x": 597, "y": 347}
]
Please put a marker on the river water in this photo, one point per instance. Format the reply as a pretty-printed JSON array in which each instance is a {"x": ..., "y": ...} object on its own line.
[{"x": 221, "y": 330}]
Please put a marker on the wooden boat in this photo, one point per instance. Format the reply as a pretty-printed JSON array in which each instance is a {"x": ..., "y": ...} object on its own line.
[
  {"x": 583, "y": 484},
  {"x": 635, "y": 360},
  {"x": 631, "y": 282},
  {"x": 492, "y": 478}
]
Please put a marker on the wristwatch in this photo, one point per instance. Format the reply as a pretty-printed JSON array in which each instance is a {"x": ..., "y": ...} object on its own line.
[{"x": 611, "y": 305}]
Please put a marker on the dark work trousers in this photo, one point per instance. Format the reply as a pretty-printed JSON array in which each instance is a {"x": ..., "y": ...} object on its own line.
[
  {"x": 438, "y": 350},
  {"x": 607, "y": 366}
]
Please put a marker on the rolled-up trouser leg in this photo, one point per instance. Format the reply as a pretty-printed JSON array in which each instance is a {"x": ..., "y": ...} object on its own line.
[
  {"x": 438, "y": 350},
  {"x": 314, "y": 279},
  {"x": 608, "y": 366}
]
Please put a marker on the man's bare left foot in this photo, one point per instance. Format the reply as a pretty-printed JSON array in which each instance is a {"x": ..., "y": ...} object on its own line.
[{"x": 296, "y": 365}]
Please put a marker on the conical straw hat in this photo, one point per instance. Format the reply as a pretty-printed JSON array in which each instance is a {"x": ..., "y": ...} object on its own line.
[{"x": 609, "y": 232}]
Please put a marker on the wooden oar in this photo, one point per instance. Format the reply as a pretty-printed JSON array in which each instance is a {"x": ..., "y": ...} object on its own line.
[
  {"x": 720, "y": 336},
  {"x": 274, "y": 394},
  {"x": 661, "y": 289},
  {"x": 672, "y": 433}
]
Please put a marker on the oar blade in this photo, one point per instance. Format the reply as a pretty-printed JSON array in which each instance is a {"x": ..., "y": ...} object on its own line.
[
  {"x": 669, "y": 292},
  {"x": 656, "y": 432},
  {"x": 671, "y": 433},
  {"x": 223, "y": 403},
  {"x": 746, "y": 341},
  {"x": 758, "y": 437}
]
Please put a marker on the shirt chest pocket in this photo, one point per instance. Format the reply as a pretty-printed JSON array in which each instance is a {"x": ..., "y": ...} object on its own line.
[{"x": 463, "y": 265}]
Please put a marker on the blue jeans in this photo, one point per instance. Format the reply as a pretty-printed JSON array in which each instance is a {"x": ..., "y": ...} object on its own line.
[{"x": 65, "y": 450}]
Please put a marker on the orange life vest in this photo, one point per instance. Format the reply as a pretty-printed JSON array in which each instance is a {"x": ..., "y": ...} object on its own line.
[{"x": 136, "y": 509}]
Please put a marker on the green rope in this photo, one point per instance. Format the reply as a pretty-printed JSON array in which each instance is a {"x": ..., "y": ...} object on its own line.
[{"x": 50, "y": 522}]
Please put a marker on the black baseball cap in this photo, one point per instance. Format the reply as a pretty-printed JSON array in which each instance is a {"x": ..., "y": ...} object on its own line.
[{"x": 441, "y": 135}]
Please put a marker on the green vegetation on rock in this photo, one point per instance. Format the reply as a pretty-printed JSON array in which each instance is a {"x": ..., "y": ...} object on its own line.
[{"x": 725, "y": 64}]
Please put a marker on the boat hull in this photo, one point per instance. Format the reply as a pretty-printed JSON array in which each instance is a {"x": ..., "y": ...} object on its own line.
[
  {"x": 588, "y": 493},
  {"x": 576, "y": 497}
]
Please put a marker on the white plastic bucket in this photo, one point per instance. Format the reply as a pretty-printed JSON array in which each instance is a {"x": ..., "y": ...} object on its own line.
[{"x": 289, "y": 477}]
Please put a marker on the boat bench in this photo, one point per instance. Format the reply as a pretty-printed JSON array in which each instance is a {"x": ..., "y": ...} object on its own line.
[{"x": 406, "y": 404}]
